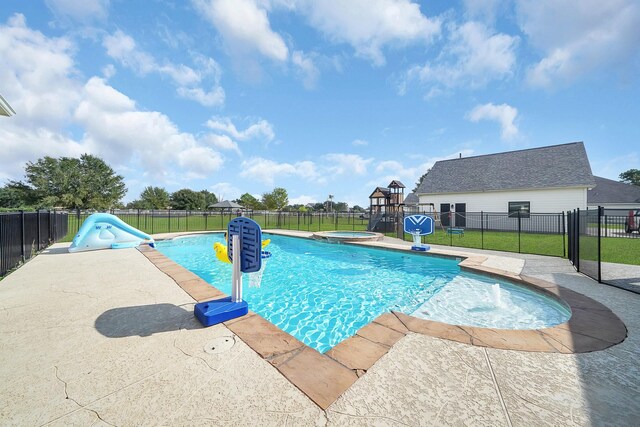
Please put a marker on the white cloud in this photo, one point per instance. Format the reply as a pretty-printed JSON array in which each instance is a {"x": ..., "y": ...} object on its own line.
[
  {"x": 338, "y": 163},
  {"x": 226, "y": 191},
  {"x": 212, "y": 98},
  {"x": 503, "y": 114},
  {"x": 222, "y": 142},
  {"x": 359, "y": 142},
  {"x": 123, "y": 49},
  {"x": 266, "y": 170},
  {"x": 80, "y": 10},
  {"x": 302, "y": 199},
  {"x": 262, "y": 129},
  {"x": 50, "y": 97},
  {"x": 473, "y": 56},
  {"x": 391, "y": 165},
  {"x": 370, "y": 25},
  {"x": 37, "y": 75},
  {"x": 120, "y": 133},
  {"x": 484, "y": 11},
  {"x": 244, "y": 26},
  {"x": 306, "y": 69},
  {"x": 580, "y": 37}
]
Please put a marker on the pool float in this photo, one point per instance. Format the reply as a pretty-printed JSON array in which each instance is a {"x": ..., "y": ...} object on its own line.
[{"x": 221, "y": 250}]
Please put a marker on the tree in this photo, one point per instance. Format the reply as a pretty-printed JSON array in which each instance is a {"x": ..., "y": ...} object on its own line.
[
  {"x": 341, "y": 206},
  {"x": 135, "y": 204},
  {"x": 420, "y": 180},
  {"x": 632, "y": 176},
  {"x": 330, "y": 205},
  {"x": 84, "y": 183},
  {"x": 209, "y": 199},
  {"x": 357, "y": 208},
  {"x": 276, "y": 200},
  {"x": 250, "y": 202},
  {"x": 17, "y": 195},
  {"x": 154, "y": 198},
  {"x": 186, "y": 199}
]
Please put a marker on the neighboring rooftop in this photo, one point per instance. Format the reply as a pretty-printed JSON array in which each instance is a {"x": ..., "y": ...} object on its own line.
[
  {"x": 555, "y": 166},
  {"x": 411, "y": 199},
  {"x": 610, "y": 191},
  {"x": 396, "y": 184},
  {"x": 5, "y": 108}
]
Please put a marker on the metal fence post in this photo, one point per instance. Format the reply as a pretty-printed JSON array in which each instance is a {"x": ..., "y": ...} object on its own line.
[
  {"x": 38, "y": 216},
  {"x": 169, "y": 220},
  {"x": 481, "y": 230},
  {"x": 519, "y": 231},
  {"x": 22, "y": 252},
  {"x": 564, "y": 248},
  {"x": 600, "y": 213},
  {"x": 576, "y": 254}
]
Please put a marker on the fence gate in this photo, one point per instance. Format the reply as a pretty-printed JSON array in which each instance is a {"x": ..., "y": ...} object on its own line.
[{"x": 604, "y": 247}]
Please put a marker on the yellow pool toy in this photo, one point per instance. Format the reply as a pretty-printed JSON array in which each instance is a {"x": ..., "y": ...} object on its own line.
[{"x": 221, "y": 250}]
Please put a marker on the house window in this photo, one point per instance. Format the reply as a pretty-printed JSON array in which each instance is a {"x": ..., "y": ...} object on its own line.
[{"x": 522, "y": 207}]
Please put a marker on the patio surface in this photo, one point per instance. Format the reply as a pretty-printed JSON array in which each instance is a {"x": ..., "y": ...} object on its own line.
[{"x": 107, "y": 338}]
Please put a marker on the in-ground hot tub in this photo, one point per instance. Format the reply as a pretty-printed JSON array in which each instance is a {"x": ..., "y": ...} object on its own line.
[{"x": 347, "y": 236}]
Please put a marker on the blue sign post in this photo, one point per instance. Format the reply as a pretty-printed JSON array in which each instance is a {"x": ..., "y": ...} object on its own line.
[
  {"x": 418, "y": 226},
  {"x": 245, "y": 253}
]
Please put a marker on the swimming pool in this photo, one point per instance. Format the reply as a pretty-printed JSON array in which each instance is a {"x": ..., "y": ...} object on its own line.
[{"x": 322, "y": 293}]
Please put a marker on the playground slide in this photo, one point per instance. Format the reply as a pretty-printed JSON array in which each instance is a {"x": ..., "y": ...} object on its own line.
[{"x": 105, "y": 231}]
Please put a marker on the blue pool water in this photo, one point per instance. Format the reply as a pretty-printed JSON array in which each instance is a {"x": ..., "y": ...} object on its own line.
[{"x": 323, "y": 293}]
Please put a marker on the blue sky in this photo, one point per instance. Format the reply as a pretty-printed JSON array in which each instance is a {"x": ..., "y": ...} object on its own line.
[{"x": 319, "y": 97}]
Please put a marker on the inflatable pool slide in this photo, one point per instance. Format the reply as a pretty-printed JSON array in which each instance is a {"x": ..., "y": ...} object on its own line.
[{"x": 106, "y": 231}]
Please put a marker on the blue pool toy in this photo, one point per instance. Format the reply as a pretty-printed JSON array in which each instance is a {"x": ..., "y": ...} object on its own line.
[
  {"x": 245, "y": 253},
  {"x": 418, "y": 226},
  {"x": 106, "y": 231}
]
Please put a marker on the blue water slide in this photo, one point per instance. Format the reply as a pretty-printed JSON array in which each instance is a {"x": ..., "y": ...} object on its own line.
[{"x": 106, "y": 231}]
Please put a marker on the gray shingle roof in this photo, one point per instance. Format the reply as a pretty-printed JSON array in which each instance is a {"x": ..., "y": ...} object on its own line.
[
  {"x": 610, "y": 191},
  {"x": 554, "y": 166},
  {"x": 225, "y": 204},
  {"x": 411, "y": 199}
]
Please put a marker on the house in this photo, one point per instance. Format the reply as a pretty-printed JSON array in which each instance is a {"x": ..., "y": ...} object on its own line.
[
  {"x": 612, "y": 195},
  {"x": 539, "y": 180}
]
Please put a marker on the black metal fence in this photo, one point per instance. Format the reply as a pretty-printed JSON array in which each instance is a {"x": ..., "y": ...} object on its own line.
[
  {"x": 170, "y": 221},
  {"x": 23, "y": 234},
  {"x": 605, "y": 245},
  {"x": 534, "y": 233}
]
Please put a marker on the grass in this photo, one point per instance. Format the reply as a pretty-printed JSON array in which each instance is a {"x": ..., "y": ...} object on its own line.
[
  {"x": 540, "y": 244},
  {"x": 615, "y": 250},
  {"x": 200, "y": 222}
]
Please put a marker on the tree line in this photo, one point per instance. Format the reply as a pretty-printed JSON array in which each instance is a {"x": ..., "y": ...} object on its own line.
[{"x": 90, "y": 183}]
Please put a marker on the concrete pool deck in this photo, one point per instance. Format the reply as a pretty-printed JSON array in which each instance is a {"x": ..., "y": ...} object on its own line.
[{"x": 107, "y": 338}]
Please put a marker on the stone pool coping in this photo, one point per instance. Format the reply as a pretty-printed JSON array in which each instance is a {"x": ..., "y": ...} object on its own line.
[
  {"x": 324, "y": 377},
  {"x": 324, "y": 235}
]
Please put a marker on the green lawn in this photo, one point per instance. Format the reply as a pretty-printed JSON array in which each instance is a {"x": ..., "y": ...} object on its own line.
[
  {"x": 616, "y": 250},
  {"x": 200, "y": 222}
]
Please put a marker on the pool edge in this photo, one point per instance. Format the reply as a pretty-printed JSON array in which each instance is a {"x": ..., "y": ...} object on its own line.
[{"x": 324, "y": 377}]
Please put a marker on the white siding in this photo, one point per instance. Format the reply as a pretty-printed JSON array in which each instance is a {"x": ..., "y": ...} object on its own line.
[{"x": 542, "y": 201}]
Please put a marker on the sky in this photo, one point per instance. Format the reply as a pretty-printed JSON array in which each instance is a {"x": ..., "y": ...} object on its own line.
[{"x": 318, "y": 97}]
